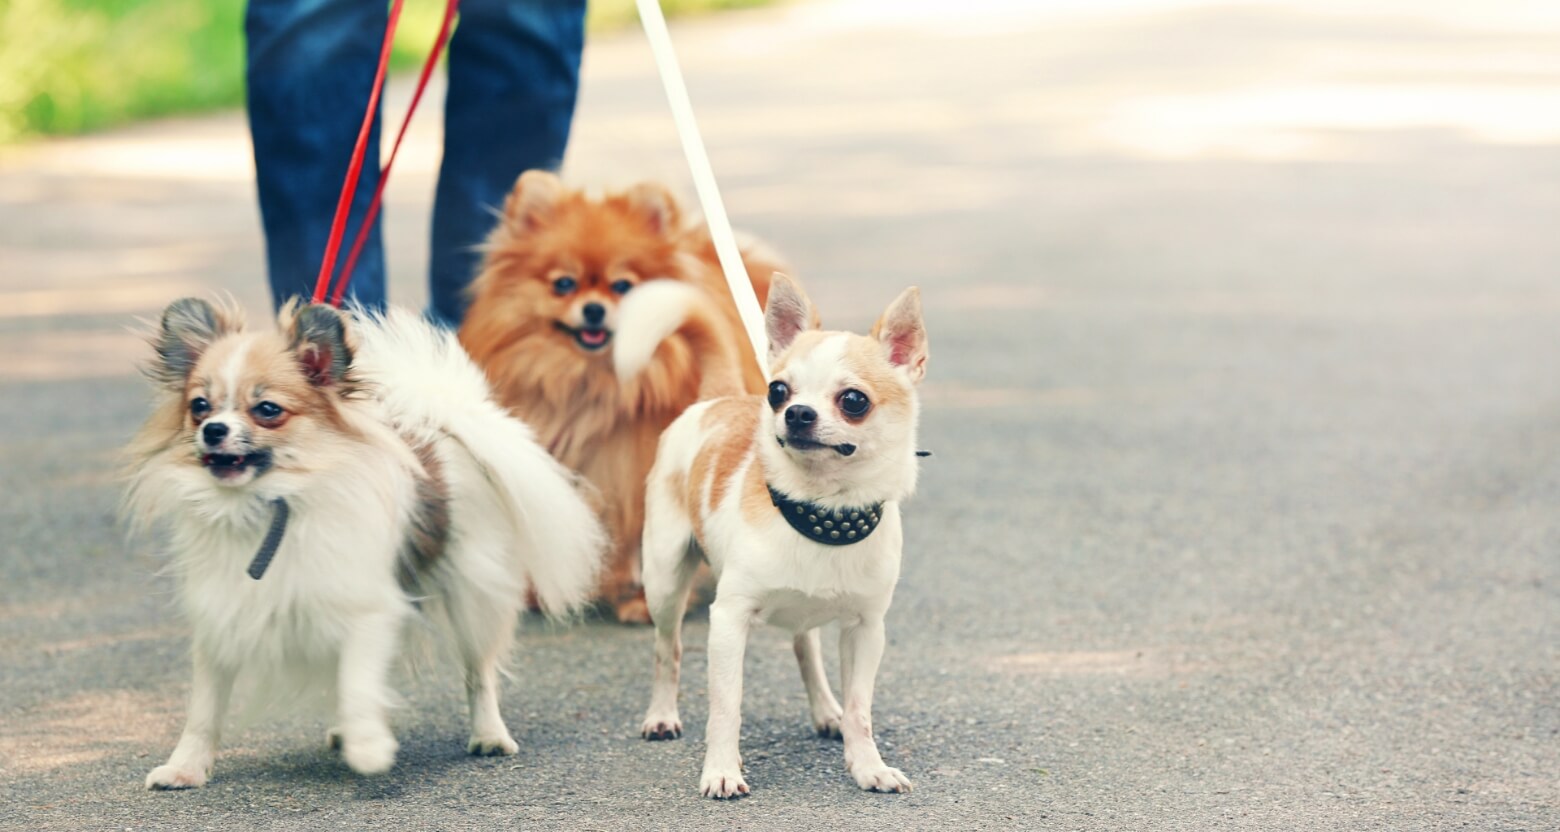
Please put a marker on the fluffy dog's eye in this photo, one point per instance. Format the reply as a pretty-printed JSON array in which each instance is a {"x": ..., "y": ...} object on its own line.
[
  {"x": 855, "y": 403},
  {"x": 200, "y": 408},
  {"x": 779, "y": 391},
  {"x": 564, "y": 285},
  {"x": 622, "y": 286},
  {"x": 267, "y": 411}
]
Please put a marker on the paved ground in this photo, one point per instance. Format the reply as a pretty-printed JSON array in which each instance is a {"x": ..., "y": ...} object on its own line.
[{"x": 1245, "y": 396}]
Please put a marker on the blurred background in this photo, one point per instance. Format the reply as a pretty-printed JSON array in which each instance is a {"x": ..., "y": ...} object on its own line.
[{"x": 1245, "y": 399}]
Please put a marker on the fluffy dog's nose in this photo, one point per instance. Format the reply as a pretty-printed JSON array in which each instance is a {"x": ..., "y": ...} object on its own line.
[
  {"x": 214, "y": 433},
  {"x": 800, "y": 417},
  {"x": 594, "y": 313}
]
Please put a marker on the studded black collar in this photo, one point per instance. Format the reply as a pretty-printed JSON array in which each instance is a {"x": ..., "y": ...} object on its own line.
[{"x": 829, "y": 526}]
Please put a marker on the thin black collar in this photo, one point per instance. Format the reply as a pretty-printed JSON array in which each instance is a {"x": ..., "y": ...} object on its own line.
[{"x": 829, "y": 526}]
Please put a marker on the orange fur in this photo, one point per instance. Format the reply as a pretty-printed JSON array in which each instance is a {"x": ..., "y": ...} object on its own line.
[{"x": 603, "y": 429}]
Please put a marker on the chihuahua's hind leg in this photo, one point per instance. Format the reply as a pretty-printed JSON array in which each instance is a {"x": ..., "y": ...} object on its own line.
[
  {"x": 826, "y": 710},
  {"x": 191, "y": 761},
  {"x": 671, "y": 560}
]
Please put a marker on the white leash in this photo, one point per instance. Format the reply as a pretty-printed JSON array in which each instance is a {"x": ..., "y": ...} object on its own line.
[{"x": 704, "y": 179}]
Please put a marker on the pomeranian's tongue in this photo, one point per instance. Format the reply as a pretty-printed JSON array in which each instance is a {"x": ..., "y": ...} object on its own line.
[{"x": 593, "y": 337}]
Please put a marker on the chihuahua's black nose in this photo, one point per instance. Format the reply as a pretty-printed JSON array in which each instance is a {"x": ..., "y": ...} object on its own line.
[
  {"x": 800, "y": 417},
  {"x": 594, "y": 314},
  {"x": 214, "y": 433}
]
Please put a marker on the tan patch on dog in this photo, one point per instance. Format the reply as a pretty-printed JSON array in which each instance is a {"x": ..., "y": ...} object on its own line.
[
  {"x": 724, "y": 451},
  {"x": 677, "y": 486},
  {"x": 757, "y": 507},
  {"x": 867, "y": 360}
]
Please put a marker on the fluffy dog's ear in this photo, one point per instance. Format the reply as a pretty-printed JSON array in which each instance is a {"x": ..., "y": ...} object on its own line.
[
  {"x": 189, "y": 326},
  {"x": 786, "y": 314},
  {"x": 903, "y": 334},
  {"x": 656, "y": 205},
  {"x": 318, "y": 335},
  {"x": 530, "y": 204}
]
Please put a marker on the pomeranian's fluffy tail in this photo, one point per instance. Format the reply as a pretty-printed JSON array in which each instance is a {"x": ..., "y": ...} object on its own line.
[
  {"x": 432, "y": 389},
  {"x": 658, "y": 308}
]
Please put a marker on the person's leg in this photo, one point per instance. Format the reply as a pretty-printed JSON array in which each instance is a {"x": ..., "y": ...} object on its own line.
[
  {"x": 514, "y": 70},
  {"x": 311, "y": 66}
]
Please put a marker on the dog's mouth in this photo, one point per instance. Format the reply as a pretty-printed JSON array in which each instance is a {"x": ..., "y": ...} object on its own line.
[
  {"x": 800, "y": 444},
  {"x": 590, "y": 338},
  {"x": 229, "y": 467}
]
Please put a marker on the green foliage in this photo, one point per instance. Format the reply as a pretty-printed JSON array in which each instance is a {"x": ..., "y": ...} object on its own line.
[{"x": 72, "y": 66}]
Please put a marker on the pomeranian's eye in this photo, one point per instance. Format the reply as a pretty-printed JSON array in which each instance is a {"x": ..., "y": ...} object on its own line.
[
  {"x": 267, "y": 411},
  {"x": 564, "y": 285},
  {"x": 779, "y": 391},
  {"x": 621, "y": 287},
  {"x": 855, "y": 403},
  {"x": 200, "y": 408}
]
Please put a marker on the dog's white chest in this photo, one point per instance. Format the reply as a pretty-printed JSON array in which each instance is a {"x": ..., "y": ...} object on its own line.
[{"x": 798, "y": 585}]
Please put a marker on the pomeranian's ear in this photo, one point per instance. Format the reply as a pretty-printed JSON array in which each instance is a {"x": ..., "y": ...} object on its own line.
[
  {"x": 319, "y": 338},
  {"x": 656, "y": 205},
  {"x": 903, "y": 334},
  {"x": 530, "y": 204},
  {"x": 786, "y": 314},
  {"x": 189, "y": 326}
]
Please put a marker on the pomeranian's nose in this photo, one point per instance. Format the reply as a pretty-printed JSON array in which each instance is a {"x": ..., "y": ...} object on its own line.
[
  {"x": 800, "y": 417},
  {"x": 594, "y": 314},
  {"x": 214, "y": 433}
]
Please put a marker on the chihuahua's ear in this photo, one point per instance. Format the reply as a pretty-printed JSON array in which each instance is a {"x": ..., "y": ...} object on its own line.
[
  {"x": 656, "y": 205},
  {"x": 903, "y": 334},
  {"x": 530, "y": 204},
  {"x": 319, "y": 338},
  {"x": 189, "y": 326},
  {"x": 787, "y": 313}
]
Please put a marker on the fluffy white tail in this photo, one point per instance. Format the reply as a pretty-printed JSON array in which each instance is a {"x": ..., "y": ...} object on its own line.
[
  {"x": 432, "y": 389},
  {"x": 655, "y": 311}
]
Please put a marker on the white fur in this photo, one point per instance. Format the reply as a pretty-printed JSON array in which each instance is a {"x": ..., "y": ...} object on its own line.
[
  {"x": 330, "y": 611},
  {"x": 767, "y": 572},
  {"x": 646, "y": 317}
]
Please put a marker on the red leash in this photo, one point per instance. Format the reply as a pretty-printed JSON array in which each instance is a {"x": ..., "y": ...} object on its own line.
[{"x": 338, "y": 226}]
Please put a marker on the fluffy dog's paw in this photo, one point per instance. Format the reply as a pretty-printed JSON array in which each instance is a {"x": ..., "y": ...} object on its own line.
[
  {"x": 633, "y": 610},
  {"x": 828, "y": 725},
  {"x": 171, "y": 777},
  {"x": 723, "y": 784},
  {"x": 882, "y": 779},
  {"x": 371, "y": 753},
  {"x": 661, "y": 727},
  {"x": 502, "y": 745}
]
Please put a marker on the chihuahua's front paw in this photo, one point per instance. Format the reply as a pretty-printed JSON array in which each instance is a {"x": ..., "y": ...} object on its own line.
[
  {"x": 663, "y": 727},
  {"x": 882, "y": 778},
  {"x": 170, "y": 777},
  {"x": 370, "y": 752},
  {"x": 722, "y": 784},
  {"x": 502, "y": 745}
]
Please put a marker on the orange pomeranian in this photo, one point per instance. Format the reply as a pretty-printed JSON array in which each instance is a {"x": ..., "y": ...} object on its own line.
[{"x": 544, "y": 314}]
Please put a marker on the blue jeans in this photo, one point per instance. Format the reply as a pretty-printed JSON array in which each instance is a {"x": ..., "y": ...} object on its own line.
[{"x": 513, "y": 77}]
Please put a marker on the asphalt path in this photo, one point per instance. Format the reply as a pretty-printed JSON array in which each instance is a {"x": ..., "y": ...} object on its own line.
[{"x": 1244, "y": 395}]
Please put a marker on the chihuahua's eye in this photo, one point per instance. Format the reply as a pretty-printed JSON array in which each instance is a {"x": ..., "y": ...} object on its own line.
[
  {"x": 200, "y": 408},
  {"x": 779, "y": 391},
  {"x": 267, "y": 411},
  {"x": 621, "y": 287},
  {"x": 854, "y": 403},
  {"x": 564, "y": 285}
]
